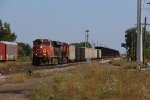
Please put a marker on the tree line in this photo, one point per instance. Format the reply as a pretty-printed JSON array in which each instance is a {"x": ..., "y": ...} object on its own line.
[{"x": 7, "y": 35}]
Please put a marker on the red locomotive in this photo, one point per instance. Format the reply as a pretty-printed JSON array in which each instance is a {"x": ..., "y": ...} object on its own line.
[{"x": 49, "y": 52}]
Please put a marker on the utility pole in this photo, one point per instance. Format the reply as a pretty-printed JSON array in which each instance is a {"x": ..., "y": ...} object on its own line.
[{"x": 139, "y": 36}]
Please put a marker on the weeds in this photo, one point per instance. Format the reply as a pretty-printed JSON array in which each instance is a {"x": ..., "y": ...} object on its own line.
[
  {"x": 91, "y": 82},
  {"x": 21, "y": 78},
  {"x": 42, "y": 93},
  {"x": 13, "y": 64},
  {"x": 18, "y": 78}
]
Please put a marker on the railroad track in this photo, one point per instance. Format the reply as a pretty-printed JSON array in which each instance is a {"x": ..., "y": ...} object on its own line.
[{"x": 24, "y": 69}]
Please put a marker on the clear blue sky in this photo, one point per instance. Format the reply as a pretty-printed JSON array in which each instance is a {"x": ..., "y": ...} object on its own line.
[{"x": 67, "y": 20}]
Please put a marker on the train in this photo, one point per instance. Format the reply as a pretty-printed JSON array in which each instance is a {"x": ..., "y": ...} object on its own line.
[{"x": 47, "y": 52}]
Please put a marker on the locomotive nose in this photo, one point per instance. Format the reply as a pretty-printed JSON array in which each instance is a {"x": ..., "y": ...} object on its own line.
[{"x": 40, "y": 51}]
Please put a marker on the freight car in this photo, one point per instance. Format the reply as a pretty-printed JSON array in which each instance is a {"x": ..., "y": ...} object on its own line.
[
  {"x": 81, "y": 53},
  {"x": 49, "y": 52},
  {"x": 8, "y": 51},
  {"x": 108, "y": 52}
]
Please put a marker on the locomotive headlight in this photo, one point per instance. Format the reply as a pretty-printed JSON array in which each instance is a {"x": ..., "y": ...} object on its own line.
[
  {"x": 40, "y": 47},
  {"x": 36, "y": 54}
]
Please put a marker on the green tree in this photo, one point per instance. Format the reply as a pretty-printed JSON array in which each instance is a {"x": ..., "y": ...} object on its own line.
[
  {"x": 5, "y": 32},
  {"x": 131, "y": 42},
  {"x": 24, "y": 49}
]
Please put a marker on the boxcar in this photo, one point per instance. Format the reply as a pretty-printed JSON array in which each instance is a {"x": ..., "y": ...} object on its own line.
[
  {"x": 86, "y": 53},
  {"x": 72, "y": 52},
  {"x": 8, "y": 51}
]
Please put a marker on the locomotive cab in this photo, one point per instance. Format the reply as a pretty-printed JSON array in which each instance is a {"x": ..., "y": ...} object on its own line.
[{"x": 42, "y": 50}]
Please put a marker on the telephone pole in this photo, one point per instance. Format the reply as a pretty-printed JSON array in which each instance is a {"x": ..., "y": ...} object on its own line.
[{"x": 139, "y": 36}]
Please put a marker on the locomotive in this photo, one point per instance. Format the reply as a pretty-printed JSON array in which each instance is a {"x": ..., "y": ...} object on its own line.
[{"x": 47, "y": 52}]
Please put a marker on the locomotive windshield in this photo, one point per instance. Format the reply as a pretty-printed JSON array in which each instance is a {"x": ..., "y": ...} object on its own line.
[
  {"x": 37, "y": 43},
  {"x": 47, "y": 43}
]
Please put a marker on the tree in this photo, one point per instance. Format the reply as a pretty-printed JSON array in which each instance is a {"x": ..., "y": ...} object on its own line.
[
  {"x": 5, "y": 32},
  {"x": 131, "y": 42},
  {"x": 24, "y": 49}
]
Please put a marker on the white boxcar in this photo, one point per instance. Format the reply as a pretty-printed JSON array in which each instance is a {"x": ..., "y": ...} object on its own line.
[{"x": 72, "y": 52}]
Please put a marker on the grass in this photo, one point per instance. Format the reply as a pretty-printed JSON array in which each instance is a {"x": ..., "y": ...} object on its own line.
[
  {"x": 91, "y": 82},
  {"x": 42, "y": 93},
  {"x": 124, "y": 63},
  {"x": 13, "y": 64},
  {"x": 95, "y": 82},
  {"x": 22, "y": 61},
  {"x": 23, "y": 77},
  {"x": 24, "y": 58},
  {"x": 18, "y": 78}
]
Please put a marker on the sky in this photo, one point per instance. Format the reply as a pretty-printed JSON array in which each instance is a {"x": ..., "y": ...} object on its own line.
[{"x": 67, "y": 20}]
